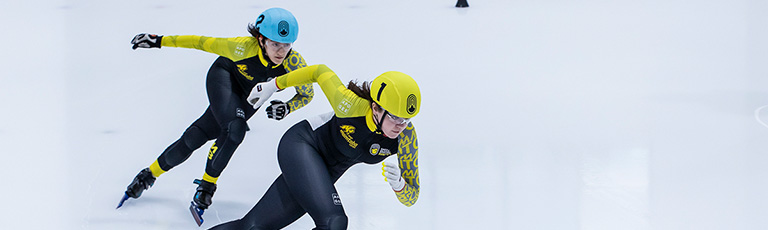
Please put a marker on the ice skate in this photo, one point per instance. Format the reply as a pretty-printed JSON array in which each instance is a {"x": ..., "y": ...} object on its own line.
[
  {"x": 201, "y": 200},
  {"x": 143, "y": 181}
]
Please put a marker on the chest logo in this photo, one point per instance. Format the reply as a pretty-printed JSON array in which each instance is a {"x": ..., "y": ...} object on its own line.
[
  {"x": 346, "y": 132},
  {"x": 242, "y": 68},
  {"x": 377, "y": 150}
]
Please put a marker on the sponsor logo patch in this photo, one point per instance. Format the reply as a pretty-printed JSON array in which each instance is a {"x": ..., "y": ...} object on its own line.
[
  {"x": 346, "y": 132},
  {"x": 377, "y": 150},
  {"x": 242, "y": 68},
  {"x": 336, "y": 199}
]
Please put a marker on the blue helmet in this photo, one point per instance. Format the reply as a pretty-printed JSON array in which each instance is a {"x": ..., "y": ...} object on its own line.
[{"x": 278, "y": 25}]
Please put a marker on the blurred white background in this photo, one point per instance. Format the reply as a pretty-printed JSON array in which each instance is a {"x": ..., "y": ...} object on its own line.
[{"x": 587, "y": 114}]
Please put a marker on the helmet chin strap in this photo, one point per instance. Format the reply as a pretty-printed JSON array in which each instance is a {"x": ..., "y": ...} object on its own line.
[
  {"x": 264, "y": 49},
  {"x": 380, "y": 121}
]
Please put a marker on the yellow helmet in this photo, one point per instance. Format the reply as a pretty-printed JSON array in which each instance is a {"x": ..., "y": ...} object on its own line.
[{"x": 397, "y": 93}]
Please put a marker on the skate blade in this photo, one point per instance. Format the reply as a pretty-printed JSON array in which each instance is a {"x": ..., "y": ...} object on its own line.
[
  {"x": 125, "y": 197},
  {"x": 196, "y": 213}
]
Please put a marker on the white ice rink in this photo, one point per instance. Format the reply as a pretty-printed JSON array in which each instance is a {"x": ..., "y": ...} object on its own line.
[{"x": 553, "y": 114}]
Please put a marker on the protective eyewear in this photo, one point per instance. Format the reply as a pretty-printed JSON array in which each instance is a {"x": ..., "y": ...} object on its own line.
[
  {"x": 277, "y": 45},
  {"x": 397, "y": 120}
]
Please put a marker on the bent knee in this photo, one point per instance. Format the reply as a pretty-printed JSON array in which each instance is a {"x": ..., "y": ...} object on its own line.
[
  {"x": 194, "y": 137},
  {"x": 338, "y": 221},
  {"x": 236, "y": 130}
]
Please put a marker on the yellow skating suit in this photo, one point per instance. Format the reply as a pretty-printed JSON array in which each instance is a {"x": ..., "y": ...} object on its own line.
[
  {"x": 241, "y": 65},
  {"x": 352, "y": 131},
  {"x": 314, "y": 153},
  {"x": 246, "y": 62}
]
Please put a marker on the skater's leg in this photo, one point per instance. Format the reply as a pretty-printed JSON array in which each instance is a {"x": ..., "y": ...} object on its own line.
[
  {"x": 275, "y": 210},
  {"x": 279, "y": 206},
  {"x": 194, "y": 137},
  {"x": 201, "y": 131},
  {"x": 309, "y": 181},
  {"x": 230, "y": 112}
]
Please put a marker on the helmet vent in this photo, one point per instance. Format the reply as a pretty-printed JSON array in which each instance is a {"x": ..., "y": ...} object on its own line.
[{"x": 378, "y": 97}]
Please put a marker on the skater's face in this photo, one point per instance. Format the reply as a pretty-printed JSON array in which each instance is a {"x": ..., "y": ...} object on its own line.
[
  {"x": 392, "y": 125},
  {"x": 276, "y": 51}
]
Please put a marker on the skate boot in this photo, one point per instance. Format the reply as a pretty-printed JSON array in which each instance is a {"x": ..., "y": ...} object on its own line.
[
  {"x": 141, "y": 182},
  {"x": 204, "y": 194},
  {"x": 201, "y": 200}
]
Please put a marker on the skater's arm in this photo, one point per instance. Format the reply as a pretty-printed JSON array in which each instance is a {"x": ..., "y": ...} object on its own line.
[
  {"x": 304, "y": 93},
  {"x": 236, "y": 49},
  {"x": 345, "y": 103},
  {"x": 408, "y": 160}
]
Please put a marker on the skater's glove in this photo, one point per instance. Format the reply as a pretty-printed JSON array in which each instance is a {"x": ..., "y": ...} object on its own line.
[
  {"x": 261, "y": 93},
  {"x": 278, "y": 110},
  {"x": 145, "y": 40},
  {"x": 392, "y": 175}
]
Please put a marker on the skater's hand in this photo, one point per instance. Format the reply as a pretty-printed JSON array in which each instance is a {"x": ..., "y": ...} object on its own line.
[
  {"x": 261, "y": 93},
  {"x": 278, "y": 110},
  {"x": 392, "y": 175},
  {"x": 145, "y": 40}
]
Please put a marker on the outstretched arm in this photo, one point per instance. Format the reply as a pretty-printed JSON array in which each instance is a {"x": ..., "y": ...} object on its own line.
[
  {"x": 236, "y": 49},
  {"x": 232, "y": 48},
  {"x": 408, "y": 161},
  {"x": 341, "y": 99}
]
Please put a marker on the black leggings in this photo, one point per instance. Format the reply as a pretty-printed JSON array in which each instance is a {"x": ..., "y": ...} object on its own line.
[
  {"x": 223, "y": 120},
  {"x": 305, "y": 186}
]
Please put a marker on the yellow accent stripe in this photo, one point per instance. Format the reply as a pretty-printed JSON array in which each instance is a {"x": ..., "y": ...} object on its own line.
[
  {"x": 263, "y": 60},
  {"x": 208, "y": 178},
  {"x": 369, "y": 121},
  {"x": 156, "y": 170}
]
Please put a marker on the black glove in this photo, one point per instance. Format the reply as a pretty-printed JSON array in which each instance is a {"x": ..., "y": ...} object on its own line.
[
  {"x": 278, "y": 110},
  {"x": 146, "y": 41}
]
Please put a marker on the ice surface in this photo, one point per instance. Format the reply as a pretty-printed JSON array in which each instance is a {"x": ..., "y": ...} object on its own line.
[{"x": 536, "y": 114}]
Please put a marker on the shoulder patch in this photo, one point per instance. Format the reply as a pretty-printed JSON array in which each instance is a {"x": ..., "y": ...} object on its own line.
[{"x": 376, "y": 149}]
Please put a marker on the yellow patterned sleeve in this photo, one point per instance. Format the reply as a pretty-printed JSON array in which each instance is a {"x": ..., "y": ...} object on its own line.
[
  {"x": 236, "y": 49},
  {"x": 304, "y": 93},
  {"x": 408, "y": 160},
  {"x": 345, "y": 103}
]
